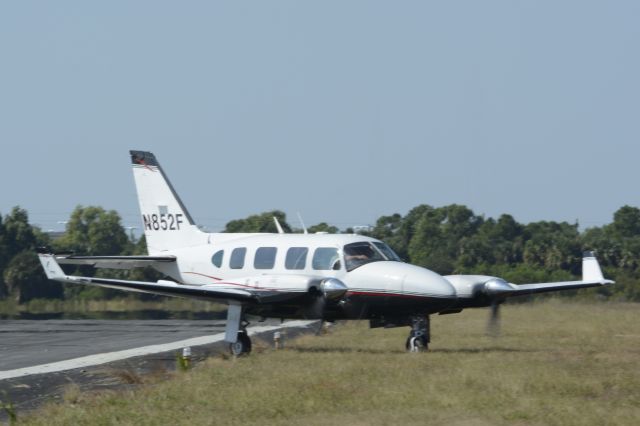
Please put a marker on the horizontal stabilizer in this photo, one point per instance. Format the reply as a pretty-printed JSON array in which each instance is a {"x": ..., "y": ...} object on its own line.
[
  {"x": 51, "y": 267},
  {"x": 165, "y": 288},
  {"x": 115, "y": 262}
]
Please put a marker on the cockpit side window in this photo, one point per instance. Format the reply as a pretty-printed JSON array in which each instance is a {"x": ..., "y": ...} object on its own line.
[
  {"x": 358, "y": 254},
  {"x": 326, "y": 259}
]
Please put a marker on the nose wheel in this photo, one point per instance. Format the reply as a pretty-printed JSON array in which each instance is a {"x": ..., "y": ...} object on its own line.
[{"x": 420, "y": 334}]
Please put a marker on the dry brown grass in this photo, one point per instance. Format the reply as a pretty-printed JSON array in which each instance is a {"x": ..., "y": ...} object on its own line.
[
  {"x": 555, "y": 364},
  {"x": 72, "y": 394}
]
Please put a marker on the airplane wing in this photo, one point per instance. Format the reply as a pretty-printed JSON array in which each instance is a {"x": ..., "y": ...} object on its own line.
[
  {"x": 591, "y": 277},
  {"x": 114, "y": 262},
  {"x": 165, "y": 288},
  {"x": 524, "y": 289}
]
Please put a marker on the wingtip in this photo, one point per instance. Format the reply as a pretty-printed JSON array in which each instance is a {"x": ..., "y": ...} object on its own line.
[{"x": 591, "y": 270}]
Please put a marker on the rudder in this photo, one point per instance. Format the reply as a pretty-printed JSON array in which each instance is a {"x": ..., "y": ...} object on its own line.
[{"x": 167, "y": 223}]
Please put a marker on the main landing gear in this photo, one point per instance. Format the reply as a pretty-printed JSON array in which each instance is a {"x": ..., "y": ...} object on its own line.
[
  {"x": 236, "y": 331},
  {"x": 242, "y": 345},
  {"x": 420, "y": 334}
]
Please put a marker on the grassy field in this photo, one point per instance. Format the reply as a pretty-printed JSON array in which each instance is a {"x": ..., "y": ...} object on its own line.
[{"x": 557, "y": 363}]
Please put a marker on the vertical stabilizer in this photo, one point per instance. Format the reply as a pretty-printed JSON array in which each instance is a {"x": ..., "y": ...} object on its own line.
[{"x": 167, "y": 223}]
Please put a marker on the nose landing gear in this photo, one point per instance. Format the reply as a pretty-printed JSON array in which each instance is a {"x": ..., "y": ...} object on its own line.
[{"x": 420, "y": 334}]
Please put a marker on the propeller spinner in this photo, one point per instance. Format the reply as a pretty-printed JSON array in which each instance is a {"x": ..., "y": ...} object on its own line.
[{"x": 331, "y": 290}]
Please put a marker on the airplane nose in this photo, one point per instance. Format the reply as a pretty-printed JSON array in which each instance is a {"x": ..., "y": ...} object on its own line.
[{"x": 403, "y": 277}]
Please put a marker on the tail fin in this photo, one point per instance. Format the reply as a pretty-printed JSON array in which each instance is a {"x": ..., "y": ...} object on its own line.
[{"x": 167, "y": 223}]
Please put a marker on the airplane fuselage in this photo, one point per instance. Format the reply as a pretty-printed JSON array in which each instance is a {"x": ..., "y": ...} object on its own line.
[{"x": 285, "y": 263}]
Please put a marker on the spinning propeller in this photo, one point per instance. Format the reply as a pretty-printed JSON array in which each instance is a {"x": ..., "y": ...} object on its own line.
[
  {"x": 493, "y": 326},
  {"x": 330, "y": 291},
  {"x": 496, "y": 289}
]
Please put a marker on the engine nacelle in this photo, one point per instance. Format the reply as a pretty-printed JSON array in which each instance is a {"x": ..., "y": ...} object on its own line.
[{"x": 470, "y": 286}]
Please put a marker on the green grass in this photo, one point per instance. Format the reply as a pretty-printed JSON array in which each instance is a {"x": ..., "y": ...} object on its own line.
[{"x": 555, "y": 364}]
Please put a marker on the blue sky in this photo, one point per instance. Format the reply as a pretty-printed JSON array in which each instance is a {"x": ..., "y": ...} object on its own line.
[{"x": 341, "y": 110}]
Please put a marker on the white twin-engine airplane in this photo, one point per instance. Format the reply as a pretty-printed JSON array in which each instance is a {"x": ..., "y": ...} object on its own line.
[{"x": 314, "y": 276}]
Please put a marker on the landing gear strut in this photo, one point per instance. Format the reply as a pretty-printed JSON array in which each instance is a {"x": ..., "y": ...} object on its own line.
[
  {"x": 236, "y": 331},
  {"x": 420, "y": 334}
]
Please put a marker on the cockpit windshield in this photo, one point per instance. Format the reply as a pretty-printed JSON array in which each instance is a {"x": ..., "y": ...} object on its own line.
[
  {"x": 387, "y": 251},
  {"x": 358, "y": 254}
]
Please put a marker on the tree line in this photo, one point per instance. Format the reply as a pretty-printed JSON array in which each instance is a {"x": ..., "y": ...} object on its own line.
[{"x": 449, "y": 240}]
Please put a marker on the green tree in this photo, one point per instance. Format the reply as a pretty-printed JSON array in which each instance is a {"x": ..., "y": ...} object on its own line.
[
  {"x": 323, "y": 227},
  {"x": 95, "y": 231},
  {"x": 398, "y": 231},
  {"x": 553, "y": 246},
  {"x": 626, "y": 222},
  {"x": 18, "y": 235},
  {"x": 601, "y": 240},
  {"x": 262, "y": 222},
  {"x": 388, "y": 229},
  {"x": 26, "y": 280},
  {"x": 438, "y": 236},
  {"x": 618, "y": 243}
]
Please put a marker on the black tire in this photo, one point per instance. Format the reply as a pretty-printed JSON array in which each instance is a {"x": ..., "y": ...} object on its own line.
[
  {"x": 420, "y": 342},
  {"x": 242, "y": 346}
]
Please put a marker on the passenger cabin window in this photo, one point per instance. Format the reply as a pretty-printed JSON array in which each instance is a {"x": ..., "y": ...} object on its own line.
[
  {"x": 265, "y": 258},
  {"x": 216, "y": 259},
  {"x": 237, "y": 258},
  {"x": 326, "y": 259},
  {"x": 358, "y": 254},
  {"x": 296, "y": 258}
]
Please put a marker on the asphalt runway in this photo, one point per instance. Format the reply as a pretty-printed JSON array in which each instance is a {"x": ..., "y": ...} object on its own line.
[
  {"x": 40, "y": 358},
  {"x": 29, "y": 343}
]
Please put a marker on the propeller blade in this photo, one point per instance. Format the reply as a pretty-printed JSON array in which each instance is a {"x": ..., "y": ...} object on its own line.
[
  {"x": 493, "y": 328},
  {"x": 321, "y": 328},
  {"x": 330, "y": 292},
  {"x": 316, "y": 309}
]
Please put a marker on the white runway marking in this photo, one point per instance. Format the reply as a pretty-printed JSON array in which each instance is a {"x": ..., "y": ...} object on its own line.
[{"x": 98, "y": 359}]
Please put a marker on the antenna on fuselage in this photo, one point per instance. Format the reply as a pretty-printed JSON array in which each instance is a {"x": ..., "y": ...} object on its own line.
[
  {"x": 304, "y": 228},
  {"x": 280, "y": 230}
]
